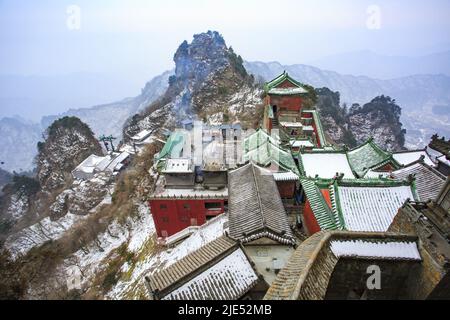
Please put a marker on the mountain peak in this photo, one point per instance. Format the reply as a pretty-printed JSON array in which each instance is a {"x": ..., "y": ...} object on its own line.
[{"x": 205, "y": 54}]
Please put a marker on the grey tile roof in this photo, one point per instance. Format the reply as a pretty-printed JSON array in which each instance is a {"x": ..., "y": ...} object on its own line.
[
  {"x": 255, "y": 208},
  {"x": 174, "y": 276},
  {"x": 428, "y": 181},
  {"x": 367, "y": 156},
  {"x": 228, "y": 279}
]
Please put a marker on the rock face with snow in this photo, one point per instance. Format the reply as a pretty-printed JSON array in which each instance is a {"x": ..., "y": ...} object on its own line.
[
  {"x": 68, "y": 142},
  {"x": 210, "y": 83},
  {"x": 380, "y": 119}
]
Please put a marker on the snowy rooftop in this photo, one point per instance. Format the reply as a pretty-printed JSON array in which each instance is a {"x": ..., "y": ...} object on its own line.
[
  {"x": 192, "y": 193},
  {"x": 301, "y": 143},
  {"x": 178, "y": 166},
  {"x": 291, "y": 124},
  {"x": 370, "y": 208},
  {"x": 308, "y": 128},
  {"x": 326, "y": 164},
  {"x": 408, "y": 157},
  {"x": 116, "y": 162},
  {"x": 228, "y": 279},
  {"x": 90, "y": 163},
  {"x": 375, "y": 249},
  {"x": 428, "y": 181},
  {"x": 443, "y": 159},
  {"x": 285, "y": 176},
  {"x": 287, "y": 91},
  {"x": 141, "y": 135}
]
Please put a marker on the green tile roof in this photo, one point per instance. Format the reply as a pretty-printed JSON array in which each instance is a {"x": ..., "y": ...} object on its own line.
[
  {"x": 173, "y": 146},
  {"x": 365, "y": 194},
  {"x": 325, "y": 217},
  {"x": 369, "y": 156},
  {"x": 257, "y": 139},
  {"x": 280, "y": 79},
  {"x": 267, "y": 153}
]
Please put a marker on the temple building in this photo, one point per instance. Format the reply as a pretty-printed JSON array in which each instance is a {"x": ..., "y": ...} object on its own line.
[
  {"x": 258, "y": 220},
  {"x": 440, "y": 148},
  {"x": 428, "y": 181},
  {"x": 219, "y": 270},
  {"x": 367, "y": 205},
  {"x": 284, "y": 111},
  {"x": 413, "y": 257},
  {"x": 335, "y": 264},
  {"x": 365, "y": 161},
  {"x": 187, "y": 195},
  {"x": 266, "y": 151}
]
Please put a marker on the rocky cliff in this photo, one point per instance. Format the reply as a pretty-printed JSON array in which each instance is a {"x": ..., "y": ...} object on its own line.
[
  {"x": 379, "y": 118},
  {"x": 68, "y": 142},
  {"x": 210, "y": 83}
]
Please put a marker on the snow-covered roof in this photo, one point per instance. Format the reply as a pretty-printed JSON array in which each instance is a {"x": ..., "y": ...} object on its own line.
[
  {"x": 285, "y": 176},
  {"x": 308, "y": 128},
  {"x": 255, "y": 207},
  {"x": 368, "y": 205},
  {"x": 301, "y": 143},
  {"x": 400, "y": 250},
  {"x": 228, "y": 279},
  {"x": 369, "y": 156},
  {"x": 216, "y": 270},
  {"x": 407, "y": 157},
  {"x": 178, "y": 166},
  {"x": 443, "y": 159},
  {"x": 372, "y": 174},
  {"x": 428, "y": 181},
  {"x": 192, "y": 193},
  {"x": 287, "y": 91},
  {"x": 116, "y": 163},
  {"x": 368, "y": 208},
  {"x": 325, "y": 164},
  {"x": 270, "y": 154},
  {"x": 291, "y": 124},
  {"x": 90, "y": 163},
  {"x": 141, "y": 135}
]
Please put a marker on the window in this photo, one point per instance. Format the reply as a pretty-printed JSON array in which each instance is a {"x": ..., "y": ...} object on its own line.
[
  {"x": 186, "y": 206},
  {"x": 165, "y": 219},
  {"x": 213, "y": 206},
  {"x": 184, "y": 218},
  {"x": 163, "y": 206}
]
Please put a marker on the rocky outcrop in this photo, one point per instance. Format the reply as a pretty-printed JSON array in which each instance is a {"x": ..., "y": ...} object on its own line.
[
  {"x": 380, "y": 119},
  {"x": 210, "y": 83},
  {"x": 68, "y": 142}
]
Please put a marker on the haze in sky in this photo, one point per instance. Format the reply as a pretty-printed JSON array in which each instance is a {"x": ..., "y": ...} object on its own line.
[{"x": 136, "y": 39}]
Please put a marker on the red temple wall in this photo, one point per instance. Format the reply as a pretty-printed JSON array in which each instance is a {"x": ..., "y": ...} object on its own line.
[
  {"x": 288, "y": 103},
  {"x": 173, "y": 215},
  {"x": 312, "y": 226},
  {"x": 286, "y": 188}
]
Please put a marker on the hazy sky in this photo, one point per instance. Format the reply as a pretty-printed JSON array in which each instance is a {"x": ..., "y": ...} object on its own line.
[{"x": 138, "y": 38}]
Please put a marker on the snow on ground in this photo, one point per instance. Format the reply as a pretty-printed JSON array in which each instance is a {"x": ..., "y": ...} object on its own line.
[
  {"x": 85, "y": 198},
  {"x": 134, "y": 284},
  {"x": 18, "y": 206},
  {"x": 37, "y": 234},
  {"x": 135, "y": 232}
]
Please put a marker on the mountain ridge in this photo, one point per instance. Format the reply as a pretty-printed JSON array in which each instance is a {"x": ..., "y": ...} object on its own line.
[{"x": 417, "y": 116}]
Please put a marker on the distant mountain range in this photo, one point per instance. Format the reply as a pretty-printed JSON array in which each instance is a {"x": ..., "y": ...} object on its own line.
[
  {"x": 425, "y": 102},
  {"x": 378, "y": 66}
]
